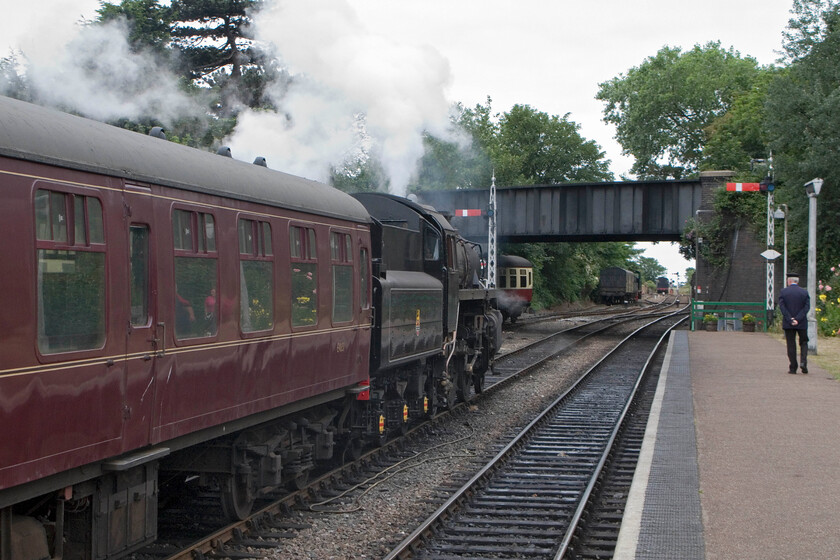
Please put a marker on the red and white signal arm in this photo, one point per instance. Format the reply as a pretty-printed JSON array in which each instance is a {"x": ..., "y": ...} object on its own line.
[
  {"x": 743, "y": 187},
  {"x": 467, "y": 212}
]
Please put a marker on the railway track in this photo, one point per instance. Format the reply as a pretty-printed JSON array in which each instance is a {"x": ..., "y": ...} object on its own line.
[
  {"x": 528, "y": 500},
  {"x": 273, "y": 524},
  {"x": 594, "y": 311}
]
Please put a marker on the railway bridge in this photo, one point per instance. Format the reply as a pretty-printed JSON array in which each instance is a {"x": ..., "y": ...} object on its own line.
[{"x": 613, "y": 211}]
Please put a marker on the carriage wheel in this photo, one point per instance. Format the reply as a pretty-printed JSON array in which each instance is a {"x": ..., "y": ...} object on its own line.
[{"x": 237, "y": 501}]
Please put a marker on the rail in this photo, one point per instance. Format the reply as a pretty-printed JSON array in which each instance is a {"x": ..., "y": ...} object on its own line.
[{"x": 729, "y": 314}]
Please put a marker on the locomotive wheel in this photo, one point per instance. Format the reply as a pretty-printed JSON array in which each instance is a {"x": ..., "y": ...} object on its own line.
[
  {"x": 353, "y": 449},
  {"x": 237, "y": 502},
  {"x": 463, "y": 384},
  {"x": 478, "y": 383},
  {"x": 300, "y": 481},
  {"x": 433, "y": 406}
]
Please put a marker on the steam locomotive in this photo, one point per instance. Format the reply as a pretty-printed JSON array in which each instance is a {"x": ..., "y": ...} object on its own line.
[
  {"x": 663, "y": 285},
  {"x": 171, "y": 314}
]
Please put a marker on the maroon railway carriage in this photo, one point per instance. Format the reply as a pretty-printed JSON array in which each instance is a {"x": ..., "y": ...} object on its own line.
[
  {"x": 154, "y": 298},
  {"x": 515, "y": 280}
]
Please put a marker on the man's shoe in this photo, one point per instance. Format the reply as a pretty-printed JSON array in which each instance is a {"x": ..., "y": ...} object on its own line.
[
  {"x": 804, "y": 370},
  {"x": 792, "y": 371}
]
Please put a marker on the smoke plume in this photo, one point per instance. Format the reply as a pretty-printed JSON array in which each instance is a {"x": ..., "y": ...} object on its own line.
[
  {"x": 340, "y": 71},
  {"x": 345, "y": 91}
]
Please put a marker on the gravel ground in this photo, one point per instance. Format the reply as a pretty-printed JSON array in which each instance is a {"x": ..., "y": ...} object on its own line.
[{"x": 384, "y": 515}]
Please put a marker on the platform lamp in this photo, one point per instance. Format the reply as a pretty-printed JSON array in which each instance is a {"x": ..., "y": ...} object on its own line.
[{"x": 812, "y": 189}]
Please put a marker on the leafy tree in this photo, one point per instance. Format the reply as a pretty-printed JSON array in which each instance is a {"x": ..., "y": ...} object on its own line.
[
  {"x": 737, "y": 139},
  {"x": 213, "y": 41},
  {"x": 452, "y": 164},
  {"x": 362, "y": 174},
  {"x": 803, "y": 122},
  {"x": 662, "y": 108},
  {"x": 808, "y": 26},
  {"x": 148, "y": 22},
  {"x": 522, "y": 147},
  {"x": 12, "y": 83},
  {"x": 649, "y": 268},
  {"x": 537, "y": 148},
  {"x": 570, "y": 271},
  {"x": 465, "y": 159}
]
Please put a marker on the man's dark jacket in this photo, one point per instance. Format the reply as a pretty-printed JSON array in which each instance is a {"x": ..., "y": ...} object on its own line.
[{"x": 794, "y": 303}]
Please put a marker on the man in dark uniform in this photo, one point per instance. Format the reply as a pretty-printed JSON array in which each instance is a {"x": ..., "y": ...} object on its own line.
[{"x": 794, "y": 303}]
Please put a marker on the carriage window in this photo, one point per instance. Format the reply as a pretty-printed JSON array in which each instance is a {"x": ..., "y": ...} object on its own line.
[
  {"x": 71, "y": 272},
  {"x": 96, "y": 227},
  {"x": 256, "y": 276},
  {"x": 196, "y": 273},
  {"x": 502, "y": 281},
  {"x": 523, "y": 278},
  {"x": 139, "y": 294},
  {"x": 266, "y": 239},
  {"x": 304, "y": 272},
  {"x": 182, "y": 230},
  {"x": 342, "y": 277},
  {"x": 512, "y": 274},
  {"x": 209, "y": 231},
  {"x": 530, "y": 278}
]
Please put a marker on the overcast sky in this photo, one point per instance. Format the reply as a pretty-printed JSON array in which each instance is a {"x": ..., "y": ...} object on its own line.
[{"x": 550, "y": 55}]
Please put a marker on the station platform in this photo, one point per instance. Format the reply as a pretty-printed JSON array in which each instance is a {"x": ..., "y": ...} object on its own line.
[{"x": 741, "y": 460}]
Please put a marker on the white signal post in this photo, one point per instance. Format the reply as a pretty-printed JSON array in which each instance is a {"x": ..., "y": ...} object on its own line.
[
  {"x": 771, "y": 241},
  {"x": 491, "y": 235}
]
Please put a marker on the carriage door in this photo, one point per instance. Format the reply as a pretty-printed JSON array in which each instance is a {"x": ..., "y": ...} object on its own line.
[{"x": 145, "y": 337}]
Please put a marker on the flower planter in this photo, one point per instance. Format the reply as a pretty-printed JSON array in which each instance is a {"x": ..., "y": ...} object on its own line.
[
  {"x": 748, "y": 327},
  {"x": 711, "y": 326}
]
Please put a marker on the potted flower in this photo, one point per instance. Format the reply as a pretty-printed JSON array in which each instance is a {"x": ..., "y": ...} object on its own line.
[
  {"x": 711, "y": 321},
  {"x": 748, "y": 323}
]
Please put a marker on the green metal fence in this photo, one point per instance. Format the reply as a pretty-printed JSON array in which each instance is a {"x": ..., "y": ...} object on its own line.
[{"x": 729, "y": 314}]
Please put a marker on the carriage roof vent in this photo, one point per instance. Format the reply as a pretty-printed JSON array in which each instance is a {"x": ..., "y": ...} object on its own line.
[
  {"x": 158, "y": 132},
  {"x": 224, "y": 151},
  {"x": 260, "y": 161}
]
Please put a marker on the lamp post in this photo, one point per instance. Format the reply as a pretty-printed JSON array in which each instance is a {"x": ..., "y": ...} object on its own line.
[
  {"x": 781, "y": 214},
  {"x": 812, "y": 189}
]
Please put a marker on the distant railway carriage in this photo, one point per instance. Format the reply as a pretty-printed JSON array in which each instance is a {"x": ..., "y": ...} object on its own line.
[
  {"x": 515, "y": 283},
  {"x": 618, "y": 285},
  {"x": 172, "y": 315},
  {"x": 663, "y": 285}
]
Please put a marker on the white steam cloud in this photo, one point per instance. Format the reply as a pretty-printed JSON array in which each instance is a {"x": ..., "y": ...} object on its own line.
[
  {"x": 99, "y": 76},
  {"x": 348, "y": 89},
  {"x": 341, "y": 70}
]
